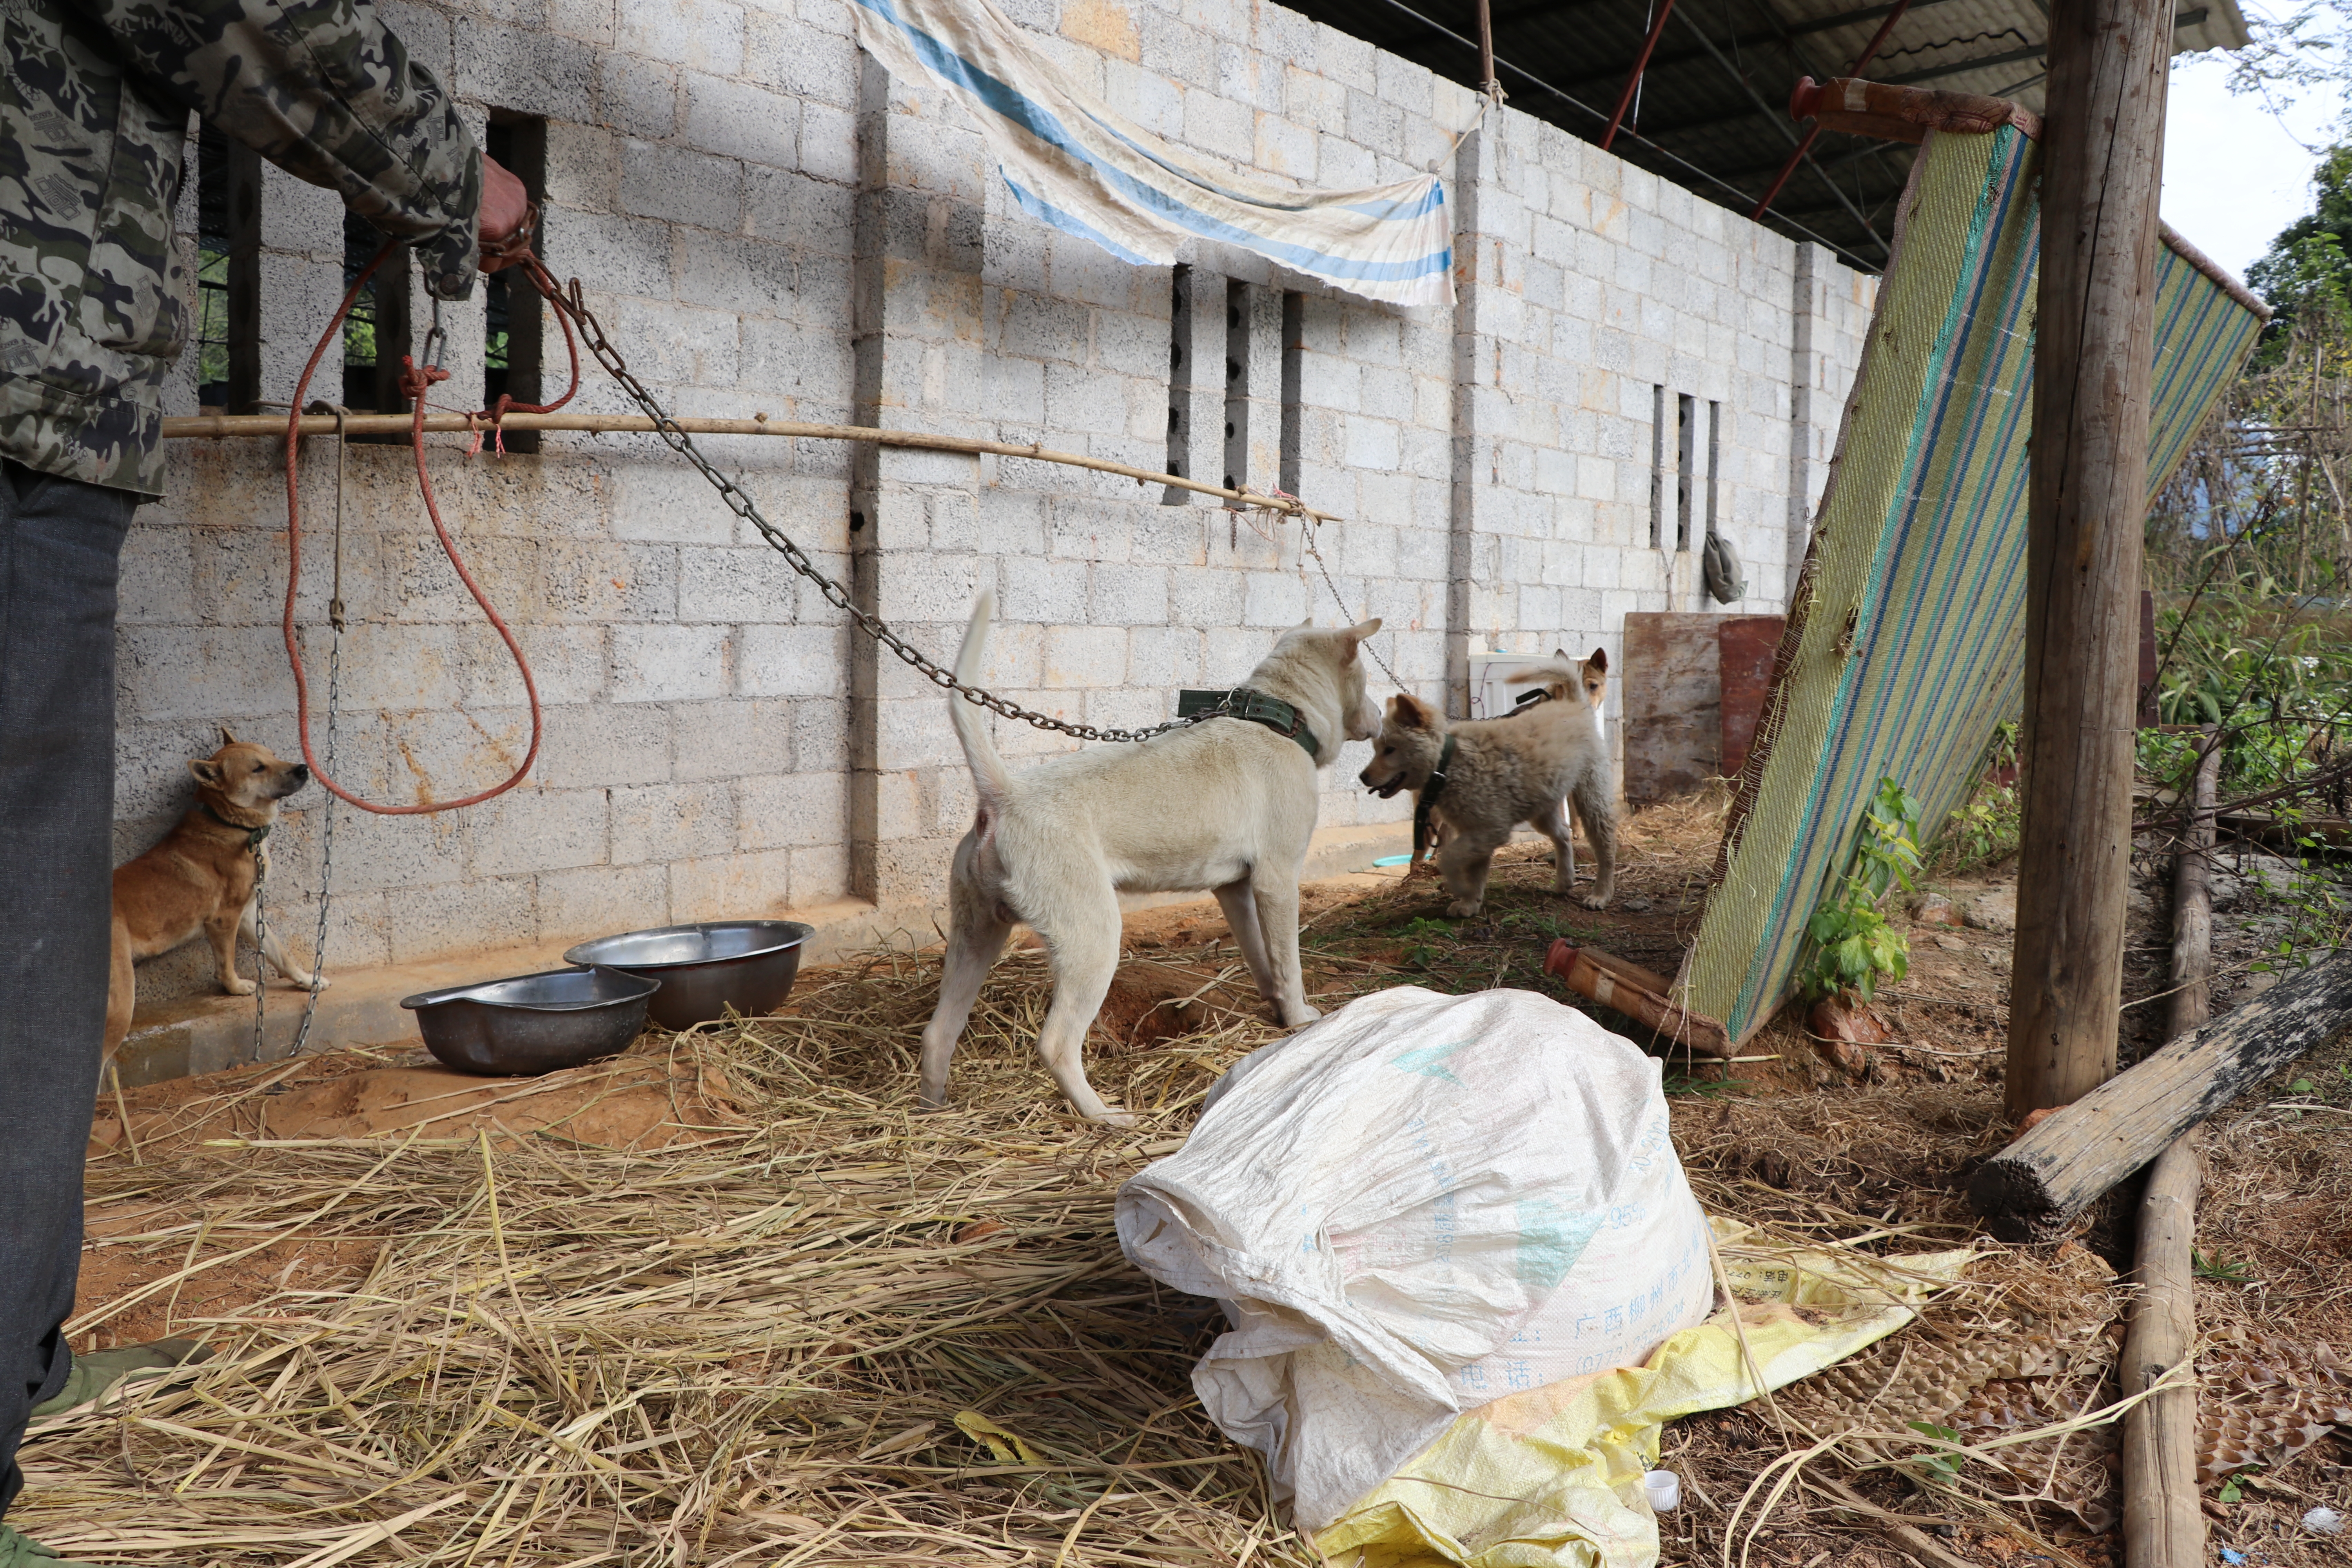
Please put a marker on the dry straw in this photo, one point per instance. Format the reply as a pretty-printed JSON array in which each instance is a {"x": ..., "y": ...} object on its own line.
[{"x": 771, "y": 1346}]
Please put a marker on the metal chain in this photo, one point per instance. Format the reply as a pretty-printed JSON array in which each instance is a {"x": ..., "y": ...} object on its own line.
[
  {"x": 591, "y": 334},
  {"x": 1308, "y": 537}
]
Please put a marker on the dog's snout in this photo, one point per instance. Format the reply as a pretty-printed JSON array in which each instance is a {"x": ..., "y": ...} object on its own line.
[{"x": 301, "y": 773}]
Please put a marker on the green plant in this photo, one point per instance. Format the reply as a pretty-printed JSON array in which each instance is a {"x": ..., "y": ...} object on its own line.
[
  {"x": 1856, "y": 945},
  {"x": 1943, "y": 1465},
  {"x": 2213, "y": 1266},
  {"x": 1421, "y": 936},
  {"x": 2233, "y": 1490}
]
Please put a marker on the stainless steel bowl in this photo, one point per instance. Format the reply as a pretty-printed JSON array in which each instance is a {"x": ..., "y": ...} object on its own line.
[
  {"x": 533, "y": 1023},
  {"x": 706, "y": 969}
]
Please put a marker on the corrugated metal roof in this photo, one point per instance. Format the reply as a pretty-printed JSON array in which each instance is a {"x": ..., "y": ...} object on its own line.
[{"x": 1712, "y": 112}]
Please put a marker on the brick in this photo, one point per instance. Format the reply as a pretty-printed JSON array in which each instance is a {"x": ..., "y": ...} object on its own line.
[{"x": 528, "y": 71}]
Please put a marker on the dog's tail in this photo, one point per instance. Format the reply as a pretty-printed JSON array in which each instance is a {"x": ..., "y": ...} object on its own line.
[
  {"x": 1557, "y": 671},
  {"x": 988, "y": 775}
]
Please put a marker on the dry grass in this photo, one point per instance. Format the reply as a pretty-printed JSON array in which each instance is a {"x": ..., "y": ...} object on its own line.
[
  {"x": 758, "y": 1349},
  {"x": 754, "y": 1350}
]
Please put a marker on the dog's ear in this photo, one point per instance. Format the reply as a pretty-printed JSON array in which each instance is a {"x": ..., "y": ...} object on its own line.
[
  {"x": 1600, "y": 659},
  {"x": 207, "y": 772},
  {"x": 1355, "y": 637},
  {"x": 1411, "y": 712},
  {"x": 226, "y": 738},
  {"x": 1561, "y": 654}
]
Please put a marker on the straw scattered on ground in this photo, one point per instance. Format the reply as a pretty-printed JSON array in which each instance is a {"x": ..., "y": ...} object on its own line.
[{"x": 797, "y": 1323}]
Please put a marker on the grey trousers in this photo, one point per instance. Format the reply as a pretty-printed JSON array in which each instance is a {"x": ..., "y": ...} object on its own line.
[{"x": 60, "y": 541}]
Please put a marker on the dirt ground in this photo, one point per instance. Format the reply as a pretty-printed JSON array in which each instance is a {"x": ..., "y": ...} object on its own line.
[{"x": 1812, "y": 1139}]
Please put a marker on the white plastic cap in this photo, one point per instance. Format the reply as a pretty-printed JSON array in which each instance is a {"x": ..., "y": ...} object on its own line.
[
  {"x": 1664, "y": 1490},
  {"x": 2319, "y": 1520}
]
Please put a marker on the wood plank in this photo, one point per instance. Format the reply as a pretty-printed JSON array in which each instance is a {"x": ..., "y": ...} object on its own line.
[
  {"x": 1745, "y": 648},
  {"x": 1673, "y": 729},
  {"x": 2030, "y": 1189}
]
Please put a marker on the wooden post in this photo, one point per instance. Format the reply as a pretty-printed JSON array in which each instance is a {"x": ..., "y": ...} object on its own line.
[
  {"x": 2163, "y": 1525},
  {"x": 2101, "y": 166}
]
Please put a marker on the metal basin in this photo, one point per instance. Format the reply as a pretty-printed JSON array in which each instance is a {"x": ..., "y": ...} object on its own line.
[
  {"x": 706, "y": 969},
  {"x": 533, "y": 1023}
]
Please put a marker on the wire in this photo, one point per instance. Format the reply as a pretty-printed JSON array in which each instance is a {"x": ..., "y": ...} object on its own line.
[{"x": 1745, "y": 198}]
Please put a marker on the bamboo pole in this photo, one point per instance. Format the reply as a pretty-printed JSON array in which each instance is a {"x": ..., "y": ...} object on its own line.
[
  {"x": 2164, "y": 1527},
  {"x": 218, "y": 425},
  {"x": 2101, "y": 155}
]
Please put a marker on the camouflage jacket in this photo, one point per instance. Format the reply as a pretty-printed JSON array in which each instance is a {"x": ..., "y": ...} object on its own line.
[{"x": 94, "y": 103}]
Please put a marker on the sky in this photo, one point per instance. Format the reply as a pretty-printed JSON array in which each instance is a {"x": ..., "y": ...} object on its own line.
[{"x": 2234, "y": 171}]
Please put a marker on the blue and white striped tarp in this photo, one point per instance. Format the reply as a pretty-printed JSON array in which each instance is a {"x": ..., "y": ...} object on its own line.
[{"x": 1074, "y": 163}]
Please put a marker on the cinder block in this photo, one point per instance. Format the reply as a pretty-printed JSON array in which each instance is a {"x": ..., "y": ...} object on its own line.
[
  {"x": 1086, "y": 656},
  {"x": 669, "y": 664},
  {"x": 672, "y": 822},
  {"x": 792, "y": 661},
  {"x": 636, "y": 97},
  {"x": 740, "y": 120},
  {"x": 731, "y": 739},
  {"x": 793, "y": 810},
  {"x": 705, "y": 33},
  {"x": 681, "y": 186},
  {"x": 530, "y": 71},
  {"x": 1274, "y": 600},
  {"x": 461, "y": 917},
  {"x": 749, "y": 886},
  {"x": 538, "y": 830},
  {"x": 602, "y": 900},
  {"x": 602, "y": 744},
  {"x": 1127, "y": 596}
]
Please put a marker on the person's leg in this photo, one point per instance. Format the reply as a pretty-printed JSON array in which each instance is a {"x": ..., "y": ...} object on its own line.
[{"x": 60, "y": 541}]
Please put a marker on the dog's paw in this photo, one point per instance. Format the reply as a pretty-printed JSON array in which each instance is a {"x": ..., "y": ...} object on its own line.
[
  {"x": 307, "y": 981},
  {"x": 237, "y": 985},
  {"x": 1594, "y": 901},
  {"x": 1461, "y": 907},
  {"x": 1110, "y": 1118},
  {"x": 1301, "y": 1015}
]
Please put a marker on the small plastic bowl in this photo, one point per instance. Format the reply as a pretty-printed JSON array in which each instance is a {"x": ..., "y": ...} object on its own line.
[
  {"x": 706, "y": 969},
  {"x": 533, "y": 1023}
]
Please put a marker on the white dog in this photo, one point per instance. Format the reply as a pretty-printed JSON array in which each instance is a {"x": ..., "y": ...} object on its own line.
[{"x": 1227, "y": 805}]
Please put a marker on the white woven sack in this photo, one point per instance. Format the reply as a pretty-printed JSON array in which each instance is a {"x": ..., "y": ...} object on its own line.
[{"x": 1419, "y": 1203}]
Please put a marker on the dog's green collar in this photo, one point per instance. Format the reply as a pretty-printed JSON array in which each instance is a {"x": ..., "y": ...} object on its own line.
[
  {"x": 1276, "y": 714},
  {"x": 1428, "y": 798},
  {"x": 252, "y": 836}
]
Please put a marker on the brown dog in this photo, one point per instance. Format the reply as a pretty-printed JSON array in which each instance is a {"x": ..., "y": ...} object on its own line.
[
  {"x": 202, "y": 878},
  {"x": 1483, "y": 778}
]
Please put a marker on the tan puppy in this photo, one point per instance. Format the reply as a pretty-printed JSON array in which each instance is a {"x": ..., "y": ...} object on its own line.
[
  {"x": 1507, "y": 771},
  {"x": 1228, "y": 805},
  {"x": 201, "y": 877}
]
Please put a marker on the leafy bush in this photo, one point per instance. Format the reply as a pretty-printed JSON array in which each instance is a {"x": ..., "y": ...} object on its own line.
[{"x": 1854, "y": 945}]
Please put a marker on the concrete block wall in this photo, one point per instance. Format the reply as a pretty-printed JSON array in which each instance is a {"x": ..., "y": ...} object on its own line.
[{"x": 766, "y": 222}]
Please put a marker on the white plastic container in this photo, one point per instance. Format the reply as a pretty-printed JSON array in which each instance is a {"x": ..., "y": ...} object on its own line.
[{"x": 1664, "y": 1488}]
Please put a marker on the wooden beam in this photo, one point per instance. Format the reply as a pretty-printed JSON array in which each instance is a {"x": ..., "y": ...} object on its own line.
[
  {"x": 2032, "y": 1188},
  {"x": 2163, "y": 1525},
  {"x": 2102, "y": 163},
  {"x": 273, "y": 426}
]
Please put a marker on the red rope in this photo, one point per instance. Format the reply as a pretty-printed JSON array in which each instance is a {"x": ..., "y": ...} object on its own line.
[{"x": 414, "y": 384}]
